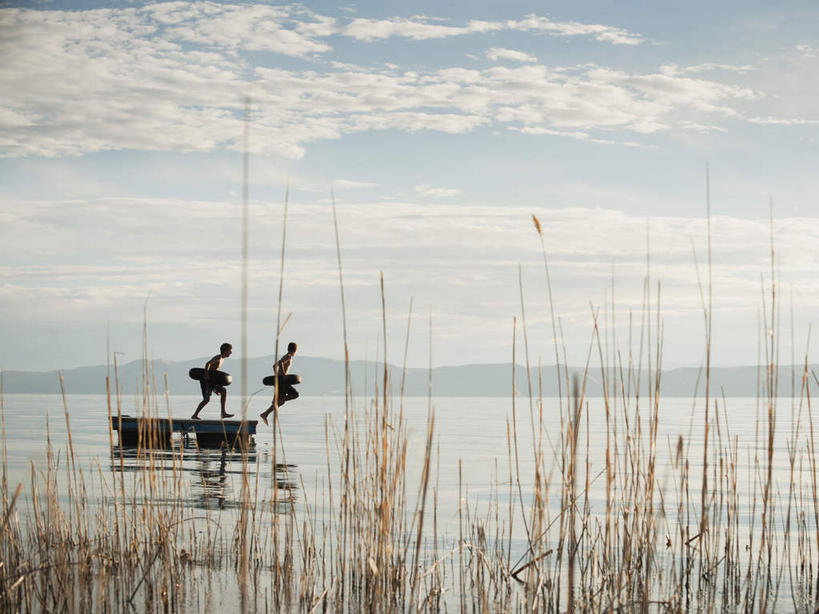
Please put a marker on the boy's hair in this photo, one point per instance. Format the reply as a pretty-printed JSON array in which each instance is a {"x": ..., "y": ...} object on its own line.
[
  {"x": 292, "y": 347},
  {"x": 224, "y": 347}
]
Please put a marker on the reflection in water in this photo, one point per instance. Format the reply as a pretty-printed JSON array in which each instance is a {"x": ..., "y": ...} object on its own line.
[
  {"x": 212, "y": 488},
  {"x": 216, "y": 475}
]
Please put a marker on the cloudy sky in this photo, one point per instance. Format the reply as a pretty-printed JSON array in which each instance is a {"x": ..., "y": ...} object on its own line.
[{"x": 441, "y": 129}]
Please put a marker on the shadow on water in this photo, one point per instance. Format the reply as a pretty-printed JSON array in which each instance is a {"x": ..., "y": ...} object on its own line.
[{"x": 213, "y": 476}]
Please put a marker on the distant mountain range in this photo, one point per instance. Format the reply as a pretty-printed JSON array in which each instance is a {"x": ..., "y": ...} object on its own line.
[{"x": 324, "y": 377}]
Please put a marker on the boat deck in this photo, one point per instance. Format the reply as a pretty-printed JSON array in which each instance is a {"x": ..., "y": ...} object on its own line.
[{"x": 152, "y": 432}]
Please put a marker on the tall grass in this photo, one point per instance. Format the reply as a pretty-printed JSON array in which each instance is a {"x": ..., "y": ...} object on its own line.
[{"x": 672, "y": 538}]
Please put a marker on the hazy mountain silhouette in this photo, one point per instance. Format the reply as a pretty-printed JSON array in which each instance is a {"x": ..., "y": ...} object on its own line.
[{"x": 322, "y": 377}]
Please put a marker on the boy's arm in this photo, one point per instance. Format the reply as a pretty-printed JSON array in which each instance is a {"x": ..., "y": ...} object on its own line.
[
  {"x": 211, "y": 364},
  {"x": 283, "y": 365}
]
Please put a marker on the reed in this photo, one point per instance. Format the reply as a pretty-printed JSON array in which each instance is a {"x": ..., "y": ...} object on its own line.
[{"x": 670, "y": 535}]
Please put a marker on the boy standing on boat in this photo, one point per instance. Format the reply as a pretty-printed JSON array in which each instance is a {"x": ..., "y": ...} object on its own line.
[
  {"x": 208, "y": 387},
  {"x": 286, "y": 390}
]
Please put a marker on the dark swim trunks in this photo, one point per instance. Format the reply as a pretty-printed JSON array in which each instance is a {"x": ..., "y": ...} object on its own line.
[
  {"x": 208, "y": 388},
  {"x": 287, "y": 393}
]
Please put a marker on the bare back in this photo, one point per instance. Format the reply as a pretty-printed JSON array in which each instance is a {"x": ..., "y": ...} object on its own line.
[
  {"x": 283, "y": 365},
  {"x": 215, "y": 363}
]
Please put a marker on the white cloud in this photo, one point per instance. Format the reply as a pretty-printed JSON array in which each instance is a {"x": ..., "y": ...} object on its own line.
[
  {"x": 711, "y": 66},
  {"x": 603, "y": 33},
  {"x": 428, "y": 190},
  {"x": 500, "y": 53},
  {"x": 781, "y": 121},
  {"x": 420, "y": 28},
  {"x": 9, "y": 118},
  {"x": 378, "y": 29},
  {"x": 171, "y": 77},
  {"x": 252, "y": 27},
  {"x": 808, "y": 51},
  {"x": 577, "y": 135},
  {"x": 347, "y": 183}
]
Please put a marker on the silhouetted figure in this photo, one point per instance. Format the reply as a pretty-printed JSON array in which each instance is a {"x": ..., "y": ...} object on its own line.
[
  {"x": 286, "y": 390},
  {"x": 208, "y": 387}
]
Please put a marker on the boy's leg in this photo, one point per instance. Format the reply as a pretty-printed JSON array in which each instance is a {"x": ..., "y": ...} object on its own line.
[
  {"x": 268, "y": 411},
  {"x": 195, "y": 415},
  {"x": 288, "y": 393},
  {"x": 205, "y": 398},
  {"x": 223, "y": 402},
  {"x": 223, "y": 394}
]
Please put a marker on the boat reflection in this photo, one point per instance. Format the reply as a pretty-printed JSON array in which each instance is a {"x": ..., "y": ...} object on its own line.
[{"x": 218, "y": 479}]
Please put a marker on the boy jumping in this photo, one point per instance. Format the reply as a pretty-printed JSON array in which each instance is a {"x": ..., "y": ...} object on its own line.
[
  {"x": 286, "y": 391},
  {"x": 208, "y": 387}
]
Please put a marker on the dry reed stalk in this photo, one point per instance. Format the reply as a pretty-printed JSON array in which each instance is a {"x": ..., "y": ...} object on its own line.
[{"x": 366, "y": 548}]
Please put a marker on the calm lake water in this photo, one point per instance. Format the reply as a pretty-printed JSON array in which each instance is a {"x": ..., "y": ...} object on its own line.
[
  {"x": 471, "y": 437},
  {"x": 469, "y": 431}
]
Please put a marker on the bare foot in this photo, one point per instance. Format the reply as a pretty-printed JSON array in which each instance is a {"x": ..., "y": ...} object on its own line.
[
  {"x": 195, "y": 417},
  {"x": 264, "y": 419},
  {"x": 226, "y": 416}
]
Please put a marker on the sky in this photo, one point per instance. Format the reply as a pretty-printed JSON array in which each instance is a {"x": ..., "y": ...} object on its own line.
[{"x": 438, "y": 130}]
